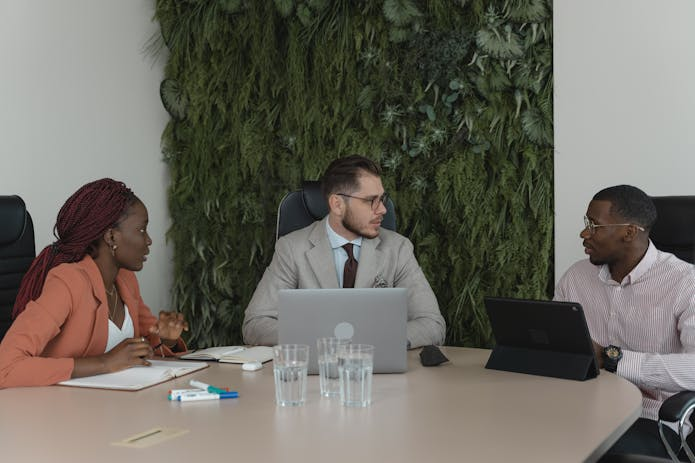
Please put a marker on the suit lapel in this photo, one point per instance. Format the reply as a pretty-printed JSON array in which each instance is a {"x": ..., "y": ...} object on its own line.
[
  {"x": 320, "y": 257},
  {"x": 100, "y": 332},
  {"x": 368, "y": 265}
]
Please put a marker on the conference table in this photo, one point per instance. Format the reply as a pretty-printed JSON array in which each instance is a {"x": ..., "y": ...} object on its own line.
[{"x": 457, "y": 411}]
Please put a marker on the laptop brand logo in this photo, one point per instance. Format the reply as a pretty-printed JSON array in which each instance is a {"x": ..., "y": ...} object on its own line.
[{"x": 344, "y": 330}]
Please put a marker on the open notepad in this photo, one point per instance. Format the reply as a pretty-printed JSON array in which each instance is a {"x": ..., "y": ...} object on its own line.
[
  {"x": 135, "y": 378},
  {"x": 232, "y": 354}
]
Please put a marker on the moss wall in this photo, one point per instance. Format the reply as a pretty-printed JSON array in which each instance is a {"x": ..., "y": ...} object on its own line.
[{"x": 453, "y": 98}]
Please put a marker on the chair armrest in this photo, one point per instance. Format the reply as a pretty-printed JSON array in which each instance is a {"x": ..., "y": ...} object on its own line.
[
  {"x": 630, "y": 458},
  {"x": 676, "y": 406}
]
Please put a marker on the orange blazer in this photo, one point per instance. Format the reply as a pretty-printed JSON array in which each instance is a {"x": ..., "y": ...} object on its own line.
[{"x": 68, "y": 320}]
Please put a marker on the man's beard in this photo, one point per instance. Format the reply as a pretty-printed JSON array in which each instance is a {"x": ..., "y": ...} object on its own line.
[{"x": 348, "y": 224}]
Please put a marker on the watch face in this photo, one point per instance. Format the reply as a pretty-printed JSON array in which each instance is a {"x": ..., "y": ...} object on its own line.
[{"x": 612, "y": 352}]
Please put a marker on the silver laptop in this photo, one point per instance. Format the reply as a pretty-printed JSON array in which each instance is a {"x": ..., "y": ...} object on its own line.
[{"x": 376, "y": 316}]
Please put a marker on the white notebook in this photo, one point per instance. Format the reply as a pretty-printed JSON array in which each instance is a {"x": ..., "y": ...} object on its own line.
[
  {"x": 135, "y": 378},
  {"x": 232, "y": 354}
]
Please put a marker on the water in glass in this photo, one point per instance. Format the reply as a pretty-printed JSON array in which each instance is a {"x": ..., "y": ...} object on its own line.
[
  {"x": 355, "y": 365},
  {"x": 290, "y": 364},
  {"x": 328, "y": 365}
]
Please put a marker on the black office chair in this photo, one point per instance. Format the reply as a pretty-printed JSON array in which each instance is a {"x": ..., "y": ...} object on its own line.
[
  {"x": 674, "y": 230},
  {"x": 301, "y": 208},
  {"x": 17, "y": 251},
  {"x": 676, "y": 408},
  {"x": 632, "y": 459}
]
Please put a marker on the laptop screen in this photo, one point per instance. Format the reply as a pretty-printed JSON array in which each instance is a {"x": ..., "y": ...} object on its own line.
[{"x": 376, "y": 316}]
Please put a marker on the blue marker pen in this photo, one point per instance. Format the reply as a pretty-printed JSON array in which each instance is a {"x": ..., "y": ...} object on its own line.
[
  {"x": 197, "y": 396},
  {"x": 175, "y": 393}
]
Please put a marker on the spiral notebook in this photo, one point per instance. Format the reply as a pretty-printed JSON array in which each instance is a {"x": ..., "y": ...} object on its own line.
[{"x": 136, "y": 378}]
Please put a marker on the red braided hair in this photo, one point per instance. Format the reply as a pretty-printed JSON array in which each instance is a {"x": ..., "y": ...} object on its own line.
[{"x": 83, "y": 219}]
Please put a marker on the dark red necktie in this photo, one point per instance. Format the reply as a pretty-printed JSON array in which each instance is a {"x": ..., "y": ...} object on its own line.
[{"x": 350, "y": 270}]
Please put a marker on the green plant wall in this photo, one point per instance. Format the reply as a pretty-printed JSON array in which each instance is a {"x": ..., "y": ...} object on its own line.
[{"x": 453, "y": 98}]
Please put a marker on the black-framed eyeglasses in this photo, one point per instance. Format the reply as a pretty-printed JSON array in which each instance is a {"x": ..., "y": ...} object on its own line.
[
  {"x": 373, "y": 200},
  {"x": 591, "y": 226}
]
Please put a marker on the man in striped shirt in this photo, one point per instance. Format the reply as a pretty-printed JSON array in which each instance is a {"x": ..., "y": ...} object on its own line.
[{"x": 640, "y": 307}]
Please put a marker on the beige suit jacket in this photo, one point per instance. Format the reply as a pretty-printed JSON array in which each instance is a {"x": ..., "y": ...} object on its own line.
[{"x": 304, "y": 259}]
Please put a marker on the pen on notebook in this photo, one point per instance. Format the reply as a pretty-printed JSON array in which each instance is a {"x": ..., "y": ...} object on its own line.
[
  {"x": 196, "y": 396},
  {"x": 207, "y": 387}
]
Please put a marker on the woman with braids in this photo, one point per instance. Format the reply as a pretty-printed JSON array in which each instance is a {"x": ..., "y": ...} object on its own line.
[{"x": 79, "y": 311}]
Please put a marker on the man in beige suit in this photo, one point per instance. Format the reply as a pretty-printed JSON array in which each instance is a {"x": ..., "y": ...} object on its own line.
[{"x": 326, "y": 254}]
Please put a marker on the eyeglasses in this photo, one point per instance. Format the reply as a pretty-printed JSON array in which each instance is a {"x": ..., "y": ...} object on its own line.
[
  {"x": 374, "y": 200},
  {"x": 591, "y": 226}
]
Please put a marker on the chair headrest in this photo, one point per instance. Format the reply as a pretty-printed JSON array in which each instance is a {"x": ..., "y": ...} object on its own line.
[
  {"x": 675, "y": 223},
  {"x": 12, "y": 218},
  {"x": 314, "y": 201}
]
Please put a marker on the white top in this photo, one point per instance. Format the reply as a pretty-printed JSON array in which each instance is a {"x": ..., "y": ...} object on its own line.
[
  {"x": 650, "y": 315},
  {"x": 116, "y": 334}
]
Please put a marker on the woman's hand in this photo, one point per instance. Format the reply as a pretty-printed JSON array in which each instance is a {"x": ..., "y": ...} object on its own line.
[
  {"x": 169, "y": 327},
  {"x": 128, "y": 353}
]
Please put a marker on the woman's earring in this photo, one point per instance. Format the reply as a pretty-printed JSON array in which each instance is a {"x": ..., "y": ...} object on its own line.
[{"x": 113, "y": 250}]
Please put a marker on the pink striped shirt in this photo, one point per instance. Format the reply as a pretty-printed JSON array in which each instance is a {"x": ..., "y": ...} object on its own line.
[{"x": 650, "y": 315}]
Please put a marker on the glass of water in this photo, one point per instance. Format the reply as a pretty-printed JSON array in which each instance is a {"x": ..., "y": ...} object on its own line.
[
  {"x": 355, "y": 365},
  {"x": 328, "y": 364},
  {"x": 290, "y": 362}
]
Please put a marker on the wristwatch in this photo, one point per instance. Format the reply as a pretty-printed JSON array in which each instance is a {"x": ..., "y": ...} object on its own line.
[{"x": 611, "y": 356}]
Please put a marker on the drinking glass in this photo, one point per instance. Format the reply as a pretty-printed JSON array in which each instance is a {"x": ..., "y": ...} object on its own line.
[
  {"x": 355, "y": 365},
  {"x": 328, "y": 365},
  {"x": 290, "y": 362}
]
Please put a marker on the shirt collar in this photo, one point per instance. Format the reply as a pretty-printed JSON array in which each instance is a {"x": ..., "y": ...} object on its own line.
[
  {"x": 338, "y": 241},
  {"x": 640, "y": 269}
]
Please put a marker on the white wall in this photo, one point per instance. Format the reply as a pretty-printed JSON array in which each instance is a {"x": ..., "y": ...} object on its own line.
[
  {"x": 624, "y": 105},
  {"x": 79, "y": 100}
]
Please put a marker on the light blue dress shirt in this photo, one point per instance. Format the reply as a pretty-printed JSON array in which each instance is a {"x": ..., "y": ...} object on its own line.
[{"x": 339, "y": 253}]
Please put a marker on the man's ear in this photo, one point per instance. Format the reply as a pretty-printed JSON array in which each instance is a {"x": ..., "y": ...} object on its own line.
[
  {"x": 336, "y": 204},
  {"x": 630, "y": 234}
]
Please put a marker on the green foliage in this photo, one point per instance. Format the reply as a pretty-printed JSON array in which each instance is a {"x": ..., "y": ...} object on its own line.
[{"x": 453, "y": 98}]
